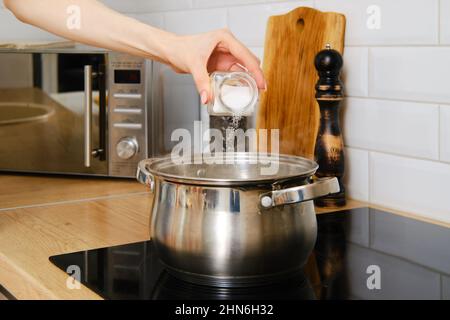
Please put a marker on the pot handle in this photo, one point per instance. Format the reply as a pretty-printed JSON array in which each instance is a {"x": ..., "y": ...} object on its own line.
[
  {"x": 144, "y": 176},
  {"x": 319, "y": 188}
]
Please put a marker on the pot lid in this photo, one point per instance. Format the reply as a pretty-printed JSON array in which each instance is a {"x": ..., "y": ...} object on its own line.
[{"x": 232, "y": 168}]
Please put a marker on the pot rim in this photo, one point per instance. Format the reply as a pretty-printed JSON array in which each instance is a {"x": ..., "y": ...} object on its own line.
[{"x": 304, "y": 166}]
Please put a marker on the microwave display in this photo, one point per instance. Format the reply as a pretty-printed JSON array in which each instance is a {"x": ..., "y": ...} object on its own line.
[{"x": 127, "y": 76}]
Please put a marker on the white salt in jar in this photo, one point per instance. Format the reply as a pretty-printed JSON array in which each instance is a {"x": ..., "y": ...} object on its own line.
[{"x": 234, "y": 94}]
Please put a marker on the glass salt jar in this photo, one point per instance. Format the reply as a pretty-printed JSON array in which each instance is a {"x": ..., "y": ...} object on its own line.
[{"x": 234, "y": 94}]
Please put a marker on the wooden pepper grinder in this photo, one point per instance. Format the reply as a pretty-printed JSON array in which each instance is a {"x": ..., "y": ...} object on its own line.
[{"x": 329, "y": 149}]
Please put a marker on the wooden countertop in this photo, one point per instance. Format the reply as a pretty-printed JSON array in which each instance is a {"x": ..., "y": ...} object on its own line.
[{"x": 41, "y": 216}]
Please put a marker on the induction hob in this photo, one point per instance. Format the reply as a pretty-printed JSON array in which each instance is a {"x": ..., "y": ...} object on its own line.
[{"x": 361, "y": 253}]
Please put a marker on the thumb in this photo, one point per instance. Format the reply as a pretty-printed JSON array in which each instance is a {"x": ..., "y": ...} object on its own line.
[{"x": 201, "y": 79}]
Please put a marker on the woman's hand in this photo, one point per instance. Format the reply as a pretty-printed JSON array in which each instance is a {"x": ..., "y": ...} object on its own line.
[
  {"x": 212, "y": 51},
  {"x": 102, "y": 27}
]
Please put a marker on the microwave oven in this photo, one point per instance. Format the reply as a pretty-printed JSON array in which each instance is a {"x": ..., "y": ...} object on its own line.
[{"x": 78, "y": 110}]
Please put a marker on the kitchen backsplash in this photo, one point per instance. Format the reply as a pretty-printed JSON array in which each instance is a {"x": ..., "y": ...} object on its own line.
[{"x": 397, "y": 110}]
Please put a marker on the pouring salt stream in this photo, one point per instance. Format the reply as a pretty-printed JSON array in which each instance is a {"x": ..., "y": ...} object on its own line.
[{"x": 235, "y": 97}]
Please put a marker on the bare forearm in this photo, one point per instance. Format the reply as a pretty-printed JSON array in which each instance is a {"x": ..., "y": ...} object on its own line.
[
  {"x": 98, "y": 26},
  {"x": 90, "y": 22}
]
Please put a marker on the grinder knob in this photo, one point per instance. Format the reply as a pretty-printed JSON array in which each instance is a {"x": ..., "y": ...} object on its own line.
[{"x": 328, "y": 64}]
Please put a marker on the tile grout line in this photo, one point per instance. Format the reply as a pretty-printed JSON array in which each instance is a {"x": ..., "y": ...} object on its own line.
[
  {"x": 163, "y": 20},
  {"x": 369, "y": 178},
  {"x": 227, "y": 17},
  {"x": 439, "y": 133},
  {"x": 439, "y": 22},
  {"x": 398, "y": 45},
  {"x": 369, "y": 71},
  {"x": 399, "y": 155},
  {"x": 436, "y": 103},
  {"x": 236, "y": 5},
  {"x": 56, "y": 203},
  {"x": 369, "y": 229}
]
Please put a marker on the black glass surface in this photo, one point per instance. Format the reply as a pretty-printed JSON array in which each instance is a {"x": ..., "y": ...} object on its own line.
[
  {"x": 127, "y": 76},
  {"x": 359, "y": 254}
]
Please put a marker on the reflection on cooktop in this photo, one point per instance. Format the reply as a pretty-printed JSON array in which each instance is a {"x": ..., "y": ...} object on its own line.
[{"x": 359, "y": 254}]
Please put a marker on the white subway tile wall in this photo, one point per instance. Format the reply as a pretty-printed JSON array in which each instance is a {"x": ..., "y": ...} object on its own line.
[
  {"x": 445, "y": 22},
  {"x": 410, "y": 73},
  {"x": 356, "y": 179},
  {"x": 12, "y": 29},
  {"x": 406, "y": 128},
  {"x": 144, "y": 6},
  {"x": 401, "y": 22},
  {"x": 397, "y": 114},
  {"x": 195, "y": 21},
  {"x": 258, "y": 51},
  {"x": 223, "y": 3},
  {"x": 154, "y": 19},
  {"x": 248, "y": 23},
  {"x": 445, "y": 133},
  {"x": 409, "y": 184},
  {"x": 355, "y": 73}
]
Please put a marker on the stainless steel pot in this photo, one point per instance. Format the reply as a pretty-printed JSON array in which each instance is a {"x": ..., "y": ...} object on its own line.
[{"x": 230, "y": 224}]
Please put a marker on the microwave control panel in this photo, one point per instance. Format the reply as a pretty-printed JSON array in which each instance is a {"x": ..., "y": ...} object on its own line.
[{"x": 127, "y": 113}]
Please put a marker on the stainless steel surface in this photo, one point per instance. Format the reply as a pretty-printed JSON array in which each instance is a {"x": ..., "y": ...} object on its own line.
[
  {"x": 303, "y": 193},
  {"x": 215, "y": 228},
  {"x": 87, "y": 109},
  {"x": 67, "y": 140},
  {"x": 54, "y": 144},
  {"x": 14, "y": 113},
  {"x": 147, "y": 110},
  {"x": 129, "y": 138},
  {"x": 177, "y": 105},
  {"x": 127, "y": 147},
  {"x": 77, "y": 48},
  {"x": 143, "y": 175},
  {"x": 236, "y": 169}
]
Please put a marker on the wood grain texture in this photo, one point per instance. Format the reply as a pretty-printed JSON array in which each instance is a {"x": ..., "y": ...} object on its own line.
[
  {"x": 29, "y": 236},
  {"x": 292, "y": 41},
  {"x": 29, "y": 190}
]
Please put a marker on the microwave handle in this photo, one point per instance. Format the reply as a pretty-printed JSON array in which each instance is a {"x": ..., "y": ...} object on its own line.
[
  {"x": 87, "y": 104},
  {"x": 101, "y": 77}
]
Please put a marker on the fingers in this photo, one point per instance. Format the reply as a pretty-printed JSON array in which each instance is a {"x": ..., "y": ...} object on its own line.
[
  {"x": 225, "y": 53},
  {"x": 237, "y": 67},
  {"x": 221, "y": 61},
  {"x": 201, "y": 79},
  {"x": 244, "y": 55}
]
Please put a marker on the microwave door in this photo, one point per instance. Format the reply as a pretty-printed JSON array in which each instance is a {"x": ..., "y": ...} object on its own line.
[{"x": 43, "y": 103}]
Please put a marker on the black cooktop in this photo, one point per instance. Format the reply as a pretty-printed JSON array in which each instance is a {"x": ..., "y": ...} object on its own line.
[{"x": 359, "y": 254}]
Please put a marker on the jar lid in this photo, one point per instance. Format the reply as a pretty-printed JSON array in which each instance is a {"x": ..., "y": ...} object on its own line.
[{"x": 236, "y": 169}]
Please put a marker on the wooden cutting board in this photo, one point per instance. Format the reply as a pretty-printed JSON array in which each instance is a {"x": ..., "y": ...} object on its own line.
[{"x": 292, "y": 41}]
